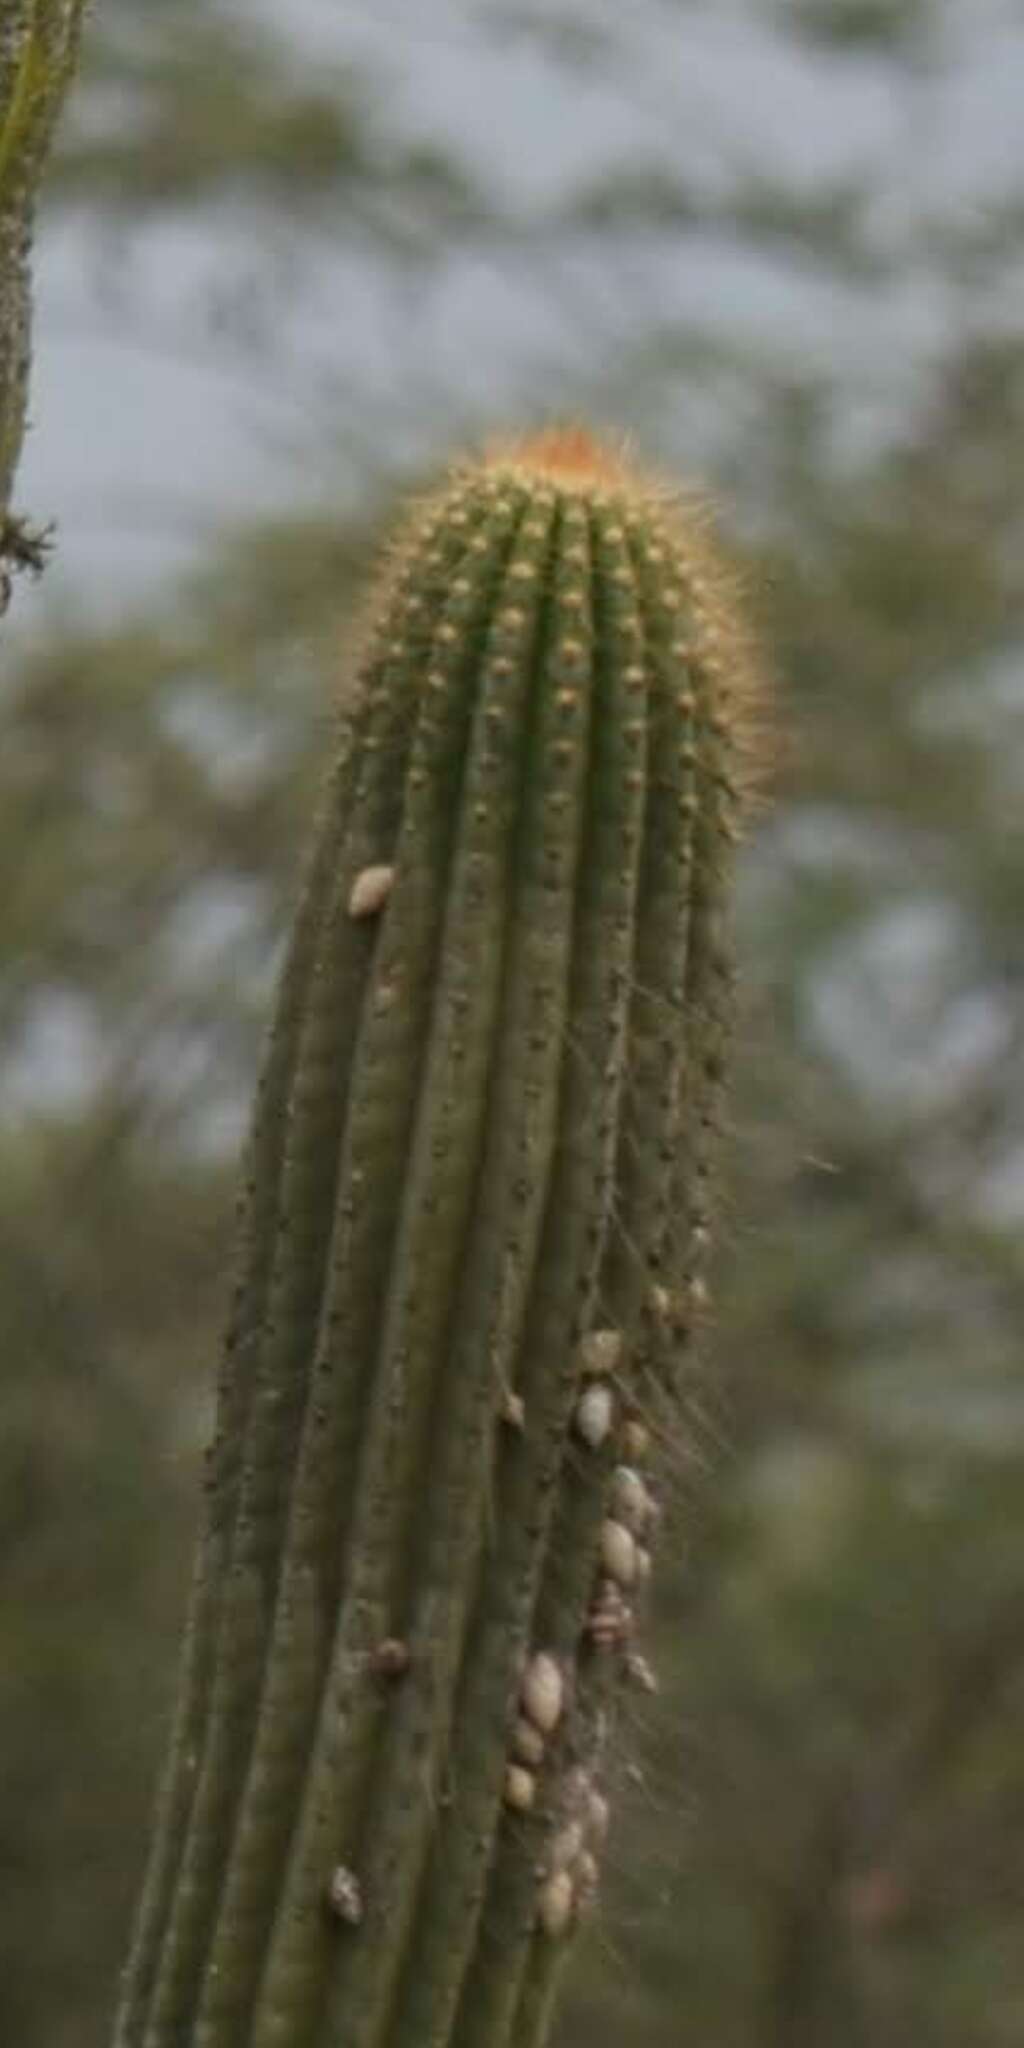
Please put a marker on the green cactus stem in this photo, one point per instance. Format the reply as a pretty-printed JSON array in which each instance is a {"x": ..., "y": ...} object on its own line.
[{"x": 471, "y": 1237}]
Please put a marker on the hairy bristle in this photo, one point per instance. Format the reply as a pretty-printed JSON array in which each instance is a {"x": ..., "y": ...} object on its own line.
[{"x": 566, "y": 454}]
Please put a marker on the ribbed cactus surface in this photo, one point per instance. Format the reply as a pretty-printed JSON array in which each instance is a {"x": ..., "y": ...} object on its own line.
[{"x": 472, "y": 1232}]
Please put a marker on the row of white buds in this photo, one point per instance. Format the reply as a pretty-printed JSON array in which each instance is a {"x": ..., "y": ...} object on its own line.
[{"x": 541, "y": 1702}]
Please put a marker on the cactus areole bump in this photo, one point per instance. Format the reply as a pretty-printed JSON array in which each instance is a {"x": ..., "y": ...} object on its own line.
[{"x": 479, "y": 1160}]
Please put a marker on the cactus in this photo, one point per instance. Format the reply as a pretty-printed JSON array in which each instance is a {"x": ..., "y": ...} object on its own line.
[{"x": 472, "y": 1236}]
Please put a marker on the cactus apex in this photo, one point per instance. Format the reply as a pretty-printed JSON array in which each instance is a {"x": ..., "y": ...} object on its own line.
[
  {"x": 679, "y": 541},
  {"x": 568, "y": 456}
]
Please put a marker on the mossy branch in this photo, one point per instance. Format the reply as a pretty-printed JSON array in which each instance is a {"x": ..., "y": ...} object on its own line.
[{"x": 39, "y": 42}]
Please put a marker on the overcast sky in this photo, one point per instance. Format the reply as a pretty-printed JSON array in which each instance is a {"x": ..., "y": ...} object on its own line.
[{"x": 144, "y": 434}]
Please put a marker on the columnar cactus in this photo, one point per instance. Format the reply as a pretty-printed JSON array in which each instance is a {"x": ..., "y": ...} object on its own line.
[{"x": 473, "y": 1229}]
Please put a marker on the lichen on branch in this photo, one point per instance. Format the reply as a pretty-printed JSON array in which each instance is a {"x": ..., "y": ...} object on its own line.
[{"x": 39, "y": 42}]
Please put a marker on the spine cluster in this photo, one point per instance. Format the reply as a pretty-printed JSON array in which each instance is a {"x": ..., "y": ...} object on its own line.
[{"x": 473, "y": 1236}]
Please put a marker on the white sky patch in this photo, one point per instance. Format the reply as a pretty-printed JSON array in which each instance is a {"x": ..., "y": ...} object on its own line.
[{"x": 893, "y": 1006}]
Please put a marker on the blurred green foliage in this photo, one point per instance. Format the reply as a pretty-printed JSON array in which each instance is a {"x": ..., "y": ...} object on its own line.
[{"x": 818, "y": 1839}]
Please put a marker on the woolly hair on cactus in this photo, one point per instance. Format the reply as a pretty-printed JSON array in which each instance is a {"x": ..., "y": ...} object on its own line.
[{"x": 471, "y": 1238}]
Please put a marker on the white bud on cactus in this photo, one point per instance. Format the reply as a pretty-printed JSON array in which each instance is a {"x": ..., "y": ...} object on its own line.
[
  {"x": 593, "y": 1417},
  {"x": 513, "y": 1409},
  {"x": 636, "y": 1440},
  {"x": 344, "y": 1895},
  {"x": 555, "y": 1903},
  {"x": 520, "y": 1788},
  {"x": 543, "y": 1692},
  {"x": 600, "y": 1351},
  {"x": 527, "y": 1743},
  {"x": 630, "y": 1499},
  {"x": 618, "y": 1552},
  {"x": 370, "y": 891}
]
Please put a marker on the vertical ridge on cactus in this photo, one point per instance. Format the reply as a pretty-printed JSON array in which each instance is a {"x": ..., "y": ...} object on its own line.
[
  {"x": 475, "y": 1190},
  {"x": 366, "y": 782}
]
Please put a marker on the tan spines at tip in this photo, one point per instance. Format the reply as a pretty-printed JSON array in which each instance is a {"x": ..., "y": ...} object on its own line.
[
  {"x": 568, "y": 456},
  {"x": 680, "y": 522}
]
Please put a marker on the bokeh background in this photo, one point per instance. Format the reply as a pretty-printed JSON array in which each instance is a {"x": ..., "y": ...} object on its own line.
[{"x": 288, "y": 259}]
